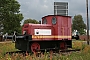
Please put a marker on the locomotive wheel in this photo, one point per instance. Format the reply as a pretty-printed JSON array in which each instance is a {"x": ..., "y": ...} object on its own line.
[
  {"x": 63, "y": 46},
  {"x": 35, "y": 46}
]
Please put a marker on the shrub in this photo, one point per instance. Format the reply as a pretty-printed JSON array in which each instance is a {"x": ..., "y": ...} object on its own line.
[{"x": 78, "y": 45}]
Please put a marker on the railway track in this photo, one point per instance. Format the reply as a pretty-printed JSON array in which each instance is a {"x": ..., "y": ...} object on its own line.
[
  {"x": 24, "y": 53},
  {"x": 57, "y": 52}
]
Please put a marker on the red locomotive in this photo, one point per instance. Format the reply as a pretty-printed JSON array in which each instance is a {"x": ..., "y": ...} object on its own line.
[{"x": 53, "y": 33}]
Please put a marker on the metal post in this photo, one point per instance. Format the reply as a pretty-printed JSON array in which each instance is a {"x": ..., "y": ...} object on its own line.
[{"x": 87, "y": 23}]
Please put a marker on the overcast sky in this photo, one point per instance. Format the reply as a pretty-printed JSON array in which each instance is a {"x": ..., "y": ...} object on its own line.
[{"x": 36, "y": 9}]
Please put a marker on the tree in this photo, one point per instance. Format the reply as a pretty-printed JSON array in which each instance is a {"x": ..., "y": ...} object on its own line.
[
  {"x": 31, "y": 21},
  {"x": 10, "y": 15},
  {"x": 78, "y": 24}
]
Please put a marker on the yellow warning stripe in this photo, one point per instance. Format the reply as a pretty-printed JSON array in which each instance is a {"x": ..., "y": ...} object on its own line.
[{"x": 39, "y": 36}]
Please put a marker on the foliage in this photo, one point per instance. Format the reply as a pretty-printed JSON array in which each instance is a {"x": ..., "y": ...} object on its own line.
[
  {"x": 10, "y": 15},
  {"x": 84, "y": 54},
  {"x": 78, "y": 45},
  {"x": 6, "y": 47},
  {"x": 31, "y": 21},
  {"x": 78, "y": 24}
]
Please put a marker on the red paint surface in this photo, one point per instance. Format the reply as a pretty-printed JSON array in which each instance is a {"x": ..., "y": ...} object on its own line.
[{"x": 61, "y": 28}]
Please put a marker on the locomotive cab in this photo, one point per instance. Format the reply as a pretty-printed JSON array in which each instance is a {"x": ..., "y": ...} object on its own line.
[{"x": 61, "y": 25}]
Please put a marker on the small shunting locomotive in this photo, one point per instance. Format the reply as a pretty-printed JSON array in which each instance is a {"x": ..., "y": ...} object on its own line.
[{"x": 53, "y": 33}]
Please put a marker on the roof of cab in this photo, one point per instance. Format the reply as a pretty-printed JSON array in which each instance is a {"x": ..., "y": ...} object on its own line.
[{"x": 56, "y": 15}]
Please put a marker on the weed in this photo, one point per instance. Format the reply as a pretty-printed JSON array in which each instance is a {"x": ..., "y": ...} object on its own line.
[{"x": 84, "y": 54}]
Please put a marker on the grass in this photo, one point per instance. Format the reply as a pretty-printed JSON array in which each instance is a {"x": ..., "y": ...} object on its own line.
[
  {"x": 6, "y": 47},
  {"x": 84, "y": 54}
]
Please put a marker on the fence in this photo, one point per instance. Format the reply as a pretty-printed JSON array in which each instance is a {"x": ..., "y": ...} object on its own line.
[{"x": 83, "y": 37}]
